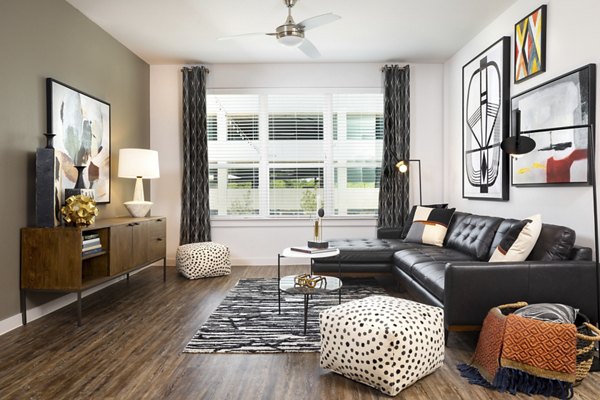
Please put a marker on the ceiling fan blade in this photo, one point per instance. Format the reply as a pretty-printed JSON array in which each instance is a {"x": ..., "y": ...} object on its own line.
[
  {"x": 319, "y": 20},
  {"x": 246, "y": 35},
  {"x": 309, "y": 49}
]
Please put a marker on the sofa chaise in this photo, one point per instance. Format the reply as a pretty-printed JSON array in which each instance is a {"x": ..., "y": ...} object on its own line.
[{"x": 458, "y": 276}]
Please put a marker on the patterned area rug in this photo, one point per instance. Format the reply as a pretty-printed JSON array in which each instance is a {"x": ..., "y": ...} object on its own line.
[{"x": 247, "y": 320}]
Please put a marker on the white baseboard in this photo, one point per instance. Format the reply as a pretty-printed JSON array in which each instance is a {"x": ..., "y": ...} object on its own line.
[
  {"x": 14, "y": 322},
  {"x": 10, "y": 323},
  {"x": 254, "y": 261},
  {"x": 268, "y": 261}
]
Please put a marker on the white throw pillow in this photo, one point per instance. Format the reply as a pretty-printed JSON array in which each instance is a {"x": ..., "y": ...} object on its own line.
[{"x": 511, "y": 249}]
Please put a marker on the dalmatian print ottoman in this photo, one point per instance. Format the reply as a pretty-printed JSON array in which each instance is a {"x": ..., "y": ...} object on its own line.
[
  {"x": 384, "y": 342},
  {"x": 202, "y": 260}
]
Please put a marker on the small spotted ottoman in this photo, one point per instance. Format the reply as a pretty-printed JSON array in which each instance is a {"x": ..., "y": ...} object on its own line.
[
  {"x": 203, "y": 260},
  {"x": 381, "y": 341}
]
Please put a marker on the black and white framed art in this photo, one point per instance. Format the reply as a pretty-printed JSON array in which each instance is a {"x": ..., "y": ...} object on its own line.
[{"x": 485, "y": 122}]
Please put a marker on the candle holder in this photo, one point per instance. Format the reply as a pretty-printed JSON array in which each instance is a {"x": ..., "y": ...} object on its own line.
[
  {"x": 80, "y": 188},
  {"x": 318, "y": 242}
]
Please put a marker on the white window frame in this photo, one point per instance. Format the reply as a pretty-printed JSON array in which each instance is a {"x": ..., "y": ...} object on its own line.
[{"x": 264, "y": 164}]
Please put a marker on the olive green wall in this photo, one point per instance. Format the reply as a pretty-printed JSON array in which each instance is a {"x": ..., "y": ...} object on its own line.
[{"x": 50, "y": 38}]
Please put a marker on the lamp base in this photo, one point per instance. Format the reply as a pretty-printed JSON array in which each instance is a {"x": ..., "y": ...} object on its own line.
[
  {"x": 138, "y": 209},
  {"x": 318, "y": 245}
]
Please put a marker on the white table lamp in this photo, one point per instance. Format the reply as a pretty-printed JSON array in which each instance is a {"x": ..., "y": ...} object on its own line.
[{"x": 139, "y": 164}]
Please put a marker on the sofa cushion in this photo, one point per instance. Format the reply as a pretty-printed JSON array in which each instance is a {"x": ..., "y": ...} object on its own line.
[
  {"x": 555, "y": 243},
  {"x": 431, "y": 276},
  {"x": 407, "y": 258},
  {"x": 365, "y": 250},
  {"x": 473, "y": 235},
  {"x": 430, "y": 226}
]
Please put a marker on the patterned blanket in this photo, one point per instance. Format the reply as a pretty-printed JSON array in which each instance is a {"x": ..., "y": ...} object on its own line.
[{"x": 518, "y": 354}]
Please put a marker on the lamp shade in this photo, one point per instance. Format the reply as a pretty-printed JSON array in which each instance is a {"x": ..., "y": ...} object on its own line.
[
  {"x": 517, "y": 145},
  {"x": 138, "y": 162},
  {"x": 402, "y": 166}
]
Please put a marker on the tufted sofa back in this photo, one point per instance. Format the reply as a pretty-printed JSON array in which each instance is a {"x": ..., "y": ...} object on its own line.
[
  {"x": 479, "y": 235},
  {"x": 472, "y": 234}
]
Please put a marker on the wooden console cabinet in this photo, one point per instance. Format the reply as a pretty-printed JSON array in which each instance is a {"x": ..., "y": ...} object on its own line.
[{"x": 52, "y": 261}]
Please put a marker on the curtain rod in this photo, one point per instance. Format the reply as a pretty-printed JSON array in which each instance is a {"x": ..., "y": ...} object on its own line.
[
  {"x": 201, "y": 66},
  {"x": 392, "y": 66}
]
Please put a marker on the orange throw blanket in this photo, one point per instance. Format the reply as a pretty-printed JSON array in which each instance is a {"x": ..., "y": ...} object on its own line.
[{"x": 526, "y": 355}]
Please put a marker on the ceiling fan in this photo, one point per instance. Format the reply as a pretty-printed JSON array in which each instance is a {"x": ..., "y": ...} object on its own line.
[{"x": 291, "y": 34}]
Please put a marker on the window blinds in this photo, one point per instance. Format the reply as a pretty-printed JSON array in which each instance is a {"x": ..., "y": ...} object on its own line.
[{"x": 274, "y": 155}]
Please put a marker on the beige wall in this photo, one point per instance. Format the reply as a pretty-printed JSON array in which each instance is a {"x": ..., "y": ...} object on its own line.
[{"x": 49, "y": 38}]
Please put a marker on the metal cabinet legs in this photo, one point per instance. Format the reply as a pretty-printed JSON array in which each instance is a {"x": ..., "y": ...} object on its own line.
[{"x": 23, "y": 307}]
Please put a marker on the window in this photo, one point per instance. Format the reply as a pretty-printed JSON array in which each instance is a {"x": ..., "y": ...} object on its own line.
[
  {"x": 294, "y": 191},
  {"x": 335, "y": 126},
  {"x": 364, "y": 126},
  {"x": 212, "y": 178},
  {"x": 300, "y": 126},
  {"x": 242, "y": 191},
  {"x": 211, "y": 126},
  {"x": 233, "y": 190},
  {"x": 242, "y": 127},
  {"x": 279, "y": 155},
  {"x": 365, "y": 177}
]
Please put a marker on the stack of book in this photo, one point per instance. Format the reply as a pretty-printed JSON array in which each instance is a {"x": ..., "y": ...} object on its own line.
[
  {"x": 91, "y": 244},
  {"x": 311, "y": 250}
]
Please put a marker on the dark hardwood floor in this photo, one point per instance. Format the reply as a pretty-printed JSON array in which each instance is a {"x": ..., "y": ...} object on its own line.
[{"x": 130, "y": 347}]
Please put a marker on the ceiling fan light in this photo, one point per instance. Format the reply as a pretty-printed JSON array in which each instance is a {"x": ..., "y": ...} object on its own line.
[{"x": 291, "y": 41}]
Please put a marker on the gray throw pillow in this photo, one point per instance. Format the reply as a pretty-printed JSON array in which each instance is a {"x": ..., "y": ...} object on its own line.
[{"x": 550, "y": 312}]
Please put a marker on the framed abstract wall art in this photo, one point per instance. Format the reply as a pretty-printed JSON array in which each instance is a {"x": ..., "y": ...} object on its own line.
[
  {"x": 81, "y": 124},
  {"x": 558, "y": 115},
  {"x": 485, "y": 106},
  {"x": 530, "y": 45}
]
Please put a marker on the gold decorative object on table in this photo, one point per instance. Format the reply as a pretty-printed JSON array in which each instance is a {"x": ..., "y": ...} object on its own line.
[
  {"x": 79, "y": 210},
  {"x": 310, "y": 281}
]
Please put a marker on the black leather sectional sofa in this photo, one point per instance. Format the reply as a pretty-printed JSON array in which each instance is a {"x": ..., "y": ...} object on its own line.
[{"x": 458, "y": 277}]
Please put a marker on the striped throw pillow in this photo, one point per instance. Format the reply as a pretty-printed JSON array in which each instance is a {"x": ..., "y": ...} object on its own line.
[
  {"x": 518, "y": 241},
  {"x": 430, "y": 225}
]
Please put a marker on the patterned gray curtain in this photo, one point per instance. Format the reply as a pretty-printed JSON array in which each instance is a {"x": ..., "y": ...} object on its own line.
[
  {"x": 195, "y": 210},
  {"x": 393, "y": 190}
]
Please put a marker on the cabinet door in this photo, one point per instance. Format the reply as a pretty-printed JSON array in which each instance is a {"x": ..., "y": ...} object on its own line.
[
  {"x": 51, "y": 258},
  {"x": 139, "y": 249},
  {"x": 157, "y": 243},
  {"x": 121, "y": 244}
]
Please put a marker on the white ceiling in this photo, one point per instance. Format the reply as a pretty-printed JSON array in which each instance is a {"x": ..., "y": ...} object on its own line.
[{"x": 186, "y": 31}]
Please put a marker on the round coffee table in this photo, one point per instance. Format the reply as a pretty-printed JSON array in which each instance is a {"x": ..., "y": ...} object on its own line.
[
  {"x": 289, "y": 253},
  {"x": 329, "y": 284}
]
